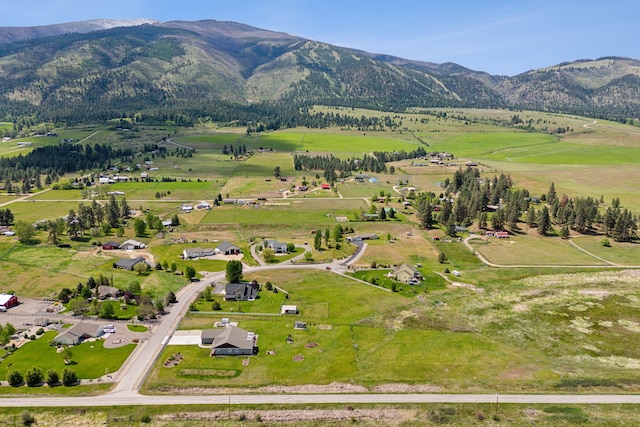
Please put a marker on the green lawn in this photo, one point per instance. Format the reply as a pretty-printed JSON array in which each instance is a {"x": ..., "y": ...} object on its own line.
[{"x": 90, "y": 359}]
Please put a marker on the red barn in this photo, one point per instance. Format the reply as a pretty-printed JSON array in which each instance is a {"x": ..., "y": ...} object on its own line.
[{"x": 8, "y": 301}]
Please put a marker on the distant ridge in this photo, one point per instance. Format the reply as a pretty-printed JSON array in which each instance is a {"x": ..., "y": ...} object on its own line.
[{"x": 111, "y": 67}]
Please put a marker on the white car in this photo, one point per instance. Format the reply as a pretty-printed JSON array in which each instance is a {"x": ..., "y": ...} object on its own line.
[
  {"x": 109, "y": 329},
  {"x": 456, "y": 273}
]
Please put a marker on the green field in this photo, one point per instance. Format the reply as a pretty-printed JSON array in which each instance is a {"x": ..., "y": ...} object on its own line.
[{"x": 89, "y": 360}]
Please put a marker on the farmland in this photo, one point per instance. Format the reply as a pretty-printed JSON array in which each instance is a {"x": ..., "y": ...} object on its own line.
[{"x": 527, "y": 313}]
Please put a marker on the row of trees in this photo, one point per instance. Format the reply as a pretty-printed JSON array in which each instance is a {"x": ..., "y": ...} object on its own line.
[{"x": 35, "y": 377}]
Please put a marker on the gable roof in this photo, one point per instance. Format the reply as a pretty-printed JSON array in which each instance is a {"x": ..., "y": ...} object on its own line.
[
  {"x": 128, "y": 263},
  {"x": 233, "y": 337},
  {"x": 226, "y": 246},
  {"x": 80, "y": 330}
]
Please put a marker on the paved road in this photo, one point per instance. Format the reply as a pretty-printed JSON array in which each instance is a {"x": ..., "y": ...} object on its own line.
[{"x": 113, "y": 399}]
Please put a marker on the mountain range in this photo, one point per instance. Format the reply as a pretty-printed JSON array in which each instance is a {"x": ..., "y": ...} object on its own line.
[{"x": 111, "y": 66}]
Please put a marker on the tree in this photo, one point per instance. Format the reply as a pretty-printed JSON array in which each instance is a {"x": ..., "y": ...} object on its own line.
[
  {"x": 442, "y": 258},
  {"x": 141, "y": 268},
  {"x": 28, "y": 418},
  {"x": 564, "y": 232},
  {"x": 383, "y": 214},
  {"x": 544, "y": 221},
  {"x": 15, "y": 378},
  {"x": 52, "y": 378},
  {"x": 233, "y": 271},
  {"x": 337, "y": 233},
  {"x": 24, "y": 231},
  {"x": 170, "y": 298},
  {"x": 69, "y": 377},
  {"x": 551, "y": 194},
  {"x": 327, "y": 236},
  {"x": 113, "y": 212},
  {"x": 190, "y": 272},
  {"x": 215, "y": 306},
  {"x": 451, "y": 226},
  {"x": 34, "y": 377},
  {"x": 107, "y": 311},
  {"x": 268, "y": 255},
  {"x": 140, "y": 227},
  {"x": 134, "y": 287},
  {"x": 175, "y": 221},
  {"x": 531, "y": 217},
  {"x": 276, "y": 172},
  {"x": 80, "y": 306},
  {"x": 317, "y": 240}
]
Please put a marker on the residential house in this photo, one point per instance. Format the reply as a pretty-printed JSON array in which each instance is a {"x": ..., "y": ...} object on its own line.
[
  {"x": 78, "y": 333},
  {"x": 406, "y": 274},
  {"x": 186, "y": 208},
  {"x": 131, "y": 245},
  {"x": 105, "y": 292},
  {"x": 230, "y": 341},
  {"x": 241, "y": 291},
  {"x": 502, "y": 234},
  {"x": 226, "y": 248},
  {"x": 278, "y": 247},
  {"x": 128, "y": 263},
  {"x": 191, "y": 253}
]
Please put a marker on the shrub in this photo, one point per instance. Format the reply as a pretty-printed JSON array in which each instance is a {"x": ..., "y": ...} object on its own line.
[
  {"x": 145, "y": 419},
  {"x": 27, "y": 418},
  {"x": 34, "y": 377},
  {"x": 15, "y": 378},
  {"x": 52, "y": 378},
  {"x": 40, "y": 331},
  {"x": 606, "y": 243},
  {"x": 69, "y": 377}
]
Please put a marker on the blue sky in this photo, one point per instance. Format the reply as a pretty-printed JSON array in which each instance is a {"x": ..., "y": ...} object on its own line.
[{"x": 500, "y": 37}]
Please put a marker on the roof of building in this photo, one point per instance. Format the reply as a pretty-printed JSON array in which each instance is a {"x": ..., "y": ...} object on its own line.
[
  {"x": 225, "y": 246},
  {"x": 133, "y": 242},
  {"x": 81, "y": 329},
  {"x": 5, "y": 298},
  {"x": 233, "y": 336},
  {"x": 128, "y": 263}
]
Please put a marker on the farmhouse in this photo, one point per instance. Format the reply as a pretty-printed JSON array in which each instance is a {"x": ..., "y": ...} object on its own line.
[
  {"x": 109, "y": 246},
  {"x": 406, "y": 274},
  {"x": 131, "y": 245},
  {"x": 128, "y": 263},
  {"x": 289, "y": 309},
  {"x": 8, "y": 300},
  {"x": 190, "y": 253},
  {"x": 78, "y": 333},
  {"x": 278, "y": 247},
  {"x": 186, "y": 208},
  {"x": 241, "y": 291},
  {"x": 502, "y": 234},
  {"x": 230, "y": 341},
  {"x": 226, "y": 248}
]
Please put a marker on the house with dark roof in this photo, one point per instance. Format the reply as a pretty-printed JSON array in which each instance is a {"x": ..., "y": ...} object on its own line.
[
  {"x": 105, "y": 292},
  {"x": 226, "y": 248},
  {"x": 241, "y": 291},
  {"x": 78, "y": 333},
  {"x": 230, "y": 341},
  {"x": 109, "y": 246},
  {"x": 128, "y": 263}
]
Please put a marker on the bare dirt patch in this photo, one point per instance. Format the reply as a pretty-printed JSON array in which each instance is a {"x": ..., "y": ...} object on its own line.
[
  {"x": 311, "y": 344},
  {"x": 298, "y": 358},
  {"x": 406, "y": 388}
]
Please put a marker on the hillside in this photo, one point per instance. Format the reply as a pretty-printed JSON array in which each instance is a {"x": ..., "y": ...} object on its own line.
[{"x": 98, "y": 69}]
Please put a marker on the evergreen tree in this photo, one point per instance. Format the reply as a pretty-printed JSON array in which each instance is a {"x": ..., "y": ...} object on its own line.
[{"x": 544, "y": 221}]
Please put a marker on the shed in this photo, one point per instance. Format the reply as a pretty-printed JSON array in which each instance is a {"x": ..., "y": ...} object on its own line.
[
  {"x": 289, "y": 309},
  {"x": 8, "y": 300},
  {"x": 128, "y": 263},
  {"x": 109, "y": 246}
]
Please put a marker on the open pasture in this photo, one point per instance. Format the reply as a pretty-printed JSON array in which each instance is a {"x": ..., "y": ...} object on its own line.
[
  {"x": 532, "y": 250},
  {"x": 179, "y": 191},
  {"x": 286, "y": 212},
  {"x": 623, "y": 253}
]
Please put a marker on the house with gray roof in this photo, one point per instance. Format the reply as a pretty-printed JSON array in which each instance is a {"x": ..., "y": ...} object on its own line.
[
  {"x": 278, "y": 247},
  {"x": 230, "y": 341},
  {"x": 241, "y": 291},
  {"x": 128, "y": 263},
  {"x": 78, "y": 333},
  {"x": 191, "y": 253},
  {"x": 226, "y": 248}
]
